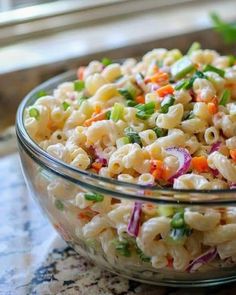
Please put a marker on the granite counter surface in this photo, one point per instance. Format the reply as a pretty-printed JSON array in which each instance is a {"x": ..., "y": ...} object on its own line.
[{"x": 35, "y": 260}]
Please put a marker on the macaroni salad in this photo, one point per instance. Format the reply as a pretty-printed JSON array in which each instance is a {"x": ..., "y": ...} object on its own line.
[{"x": 168, "y": 120}]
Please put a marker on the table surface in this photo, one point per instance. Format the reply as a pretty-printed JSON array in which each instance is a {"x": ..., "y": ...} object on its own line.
[{"x": 35, "y": 260}]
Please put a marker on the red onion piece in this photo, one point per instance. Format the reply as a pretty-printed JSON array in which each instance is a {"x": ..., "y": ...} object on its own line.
[
  {"x": 134, "y": 222},
  {"x": 202, "y": 259},
  {"x": 215, "y": 147},
  {"x": 233, "y": 186},
  {"x": 184, "y": 159}
]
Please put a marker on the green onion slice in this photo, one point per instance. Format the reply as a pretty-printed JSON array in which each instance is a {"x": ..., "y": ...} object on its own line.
[
  {"x": 195, "y": 46},
  {"x": 178, "y": 220},
  {"x": 145, "y": 110},
  {"x": 106, "y": 61},
  {"x": 93, "y": 197},
  {"x": 34, "y": 113},
  {"x": 133, "y": 136},
  {"x": 126, "y": 93},
  {"x": 210, "y": 68},
  {"x": 65, "y": 105},
  {"x": 166, "y": 103},
  {"x": 79, "y": 85},
  {"x": 160, "y": 132},
  {"x": 225, "y": 97},
  {"x": 41, "y": 93}
]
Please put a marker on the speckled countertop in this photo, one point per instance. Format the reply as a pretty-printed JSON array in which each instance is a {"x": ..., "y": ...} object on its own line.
[{"x": 35, "y": 260}]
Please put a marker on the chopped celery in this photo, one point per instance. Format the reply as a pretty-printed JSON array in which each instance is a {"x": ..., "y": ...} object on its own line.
[
  {"x": 106, "y": 61},
  {"x": 164, "y": 210},
  {"x": 175, "y": 53},
  {"x": 225, "y": 97},
  {"x": 182, "y": 67},
  {"x": 122, "y": 141},
  {"x": 232, "y": 60},
  {"x": 210, "y": 68},
  {"x": 195, "y": 46},
  {"x": 122, "y": 247},
  {"x": 117, "y": 112},
  {"x": 41, "y": 93}
]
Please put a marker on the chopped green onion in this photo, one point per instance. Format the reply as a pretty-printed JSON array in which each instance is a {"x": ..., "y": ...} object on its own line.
[
  {"x": 41, "y": 93},
  {"x": 65, "y": 105},
  {"x": 133, "y": 136},
  {"x": 159, "y": 131},
  {"x": 126, "y": 93},
  {"x": 122, "y": 141},
  {"x": 93, "y": 197},
  {"x": 178, "y": 220},
  {"x": 177, "y": 234},
  {"x": 117, "y": 112},
  {"x": 34, "y": 113},
  {"x": 145, "y": 110},
  {"x": 108, "y": 115},
  {"x": 232, "y": 60},
  {"x": 81, "y": 99},
  {"x": 79, "y": 85},
  {"x": 106, "y": 61},
  {"x": 166, "y": 103},
  {"x": 141, "y": 255},
  {"x": 59, "y": 205},
  {"x": 131, "y": 103},
  {"x": 195, "y": 46},
  {"x": 122, "y": 247},
  {"x": 188, "y": 115},
  {"x": 225, "y": 97},
  {"x": 181, "y": 84},
  {"x": 182, "y": 67},
  {"x": 210, "y": 68}
]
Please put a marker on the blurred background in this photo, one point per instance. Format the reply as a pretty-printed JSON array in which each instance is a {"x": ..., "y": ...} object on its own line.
[{"x": 40, "y": 39}]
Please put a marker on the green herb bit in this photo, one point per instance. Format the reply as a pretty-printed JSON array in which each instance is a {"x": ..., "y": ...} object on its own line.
[
  {"x": 182, "y": 67},
  {"x": 41, "y": 93},
  {"x": 166, "y": 104},
  {"x": 210, "y": 68},
  {"x": 195, "y": 46},
  {"x": 59, "y": 205},
  {"x": 141, "y": 255},
  {"x": 106, "y": 61},
  {"x": 131, "y": 103},
  {"x": 34, "y": 113},
  {"x": 108, "y": 115},
  {"x": 133, "y": 136},
  {"x": 117, "y": 112},
  {"x": 177, "y": 234},
  {"x": 145, "y": 110},
  {"x": 79, "y": 85},
  {"x": 122, "y": 247},
  {"x": 65, "y": 105},
  {"x": 93, "y": 197},
  {"x": 160, "y": 132},
  {"x": 225, "y": 97},
  {"x": 126, "y": 93},
  {"x": 178, "y": 220}
]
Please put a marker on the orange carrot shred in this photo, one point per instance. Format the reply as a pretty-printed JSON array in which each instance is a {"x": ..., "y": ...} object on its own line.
[
  {"x": 97, "y": 166},
  {"x": 200, "y": 164},
  {"x": 165, "y": 90},
  {"x": 95, "y": 118},
  {"x": 140, "y": 99},
  {"x": 80, "y": 73},
  {"x": 233, "y": 154}
]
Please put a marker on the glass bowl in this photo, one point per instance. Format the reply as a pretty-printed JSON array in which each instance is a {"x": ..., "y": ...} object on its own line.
[{"x": 98, "y": 230}]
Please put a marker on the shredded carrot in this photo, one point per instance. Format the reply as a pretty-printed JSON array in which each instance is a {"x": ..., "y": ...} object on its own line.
[
  {"x": 80, "y": 73},
  {"x": 212, "y": 108},
  {"x": 200, "y": 164},
  {"x": 165, "y": 90},
  {"x": 157, "y": 169},
  {"x": 96, "y": 166},
  {"x": 140, "y": 99},
  {"x": 95, "y": 118},
  {"x": 159, "y": 77},
  {"x": 233, "y": 154},
  {"x": 98, "y": 109}
]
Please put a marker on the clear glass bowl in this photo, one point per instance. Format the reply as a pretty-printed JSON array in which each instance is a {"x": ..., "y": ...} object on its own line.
[{"x": 55, "y": 184}]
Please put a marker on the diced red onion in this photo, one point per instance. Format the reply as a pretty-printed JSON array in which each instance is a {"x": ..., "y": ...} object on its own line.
[
  {"x": 134, "y": 222},
  {"x": 202, "y": 259},
  {"x": 184, "y": 159},
  {"x": 233, "y": 186},
  {"x": 214, "y": 172},
  {"x": 215, "y": 147}
]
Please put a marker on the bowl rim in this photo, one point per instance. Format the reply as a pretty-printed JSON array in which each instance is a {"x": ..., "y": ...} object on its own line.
[{"x": 32, "y": 146}]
